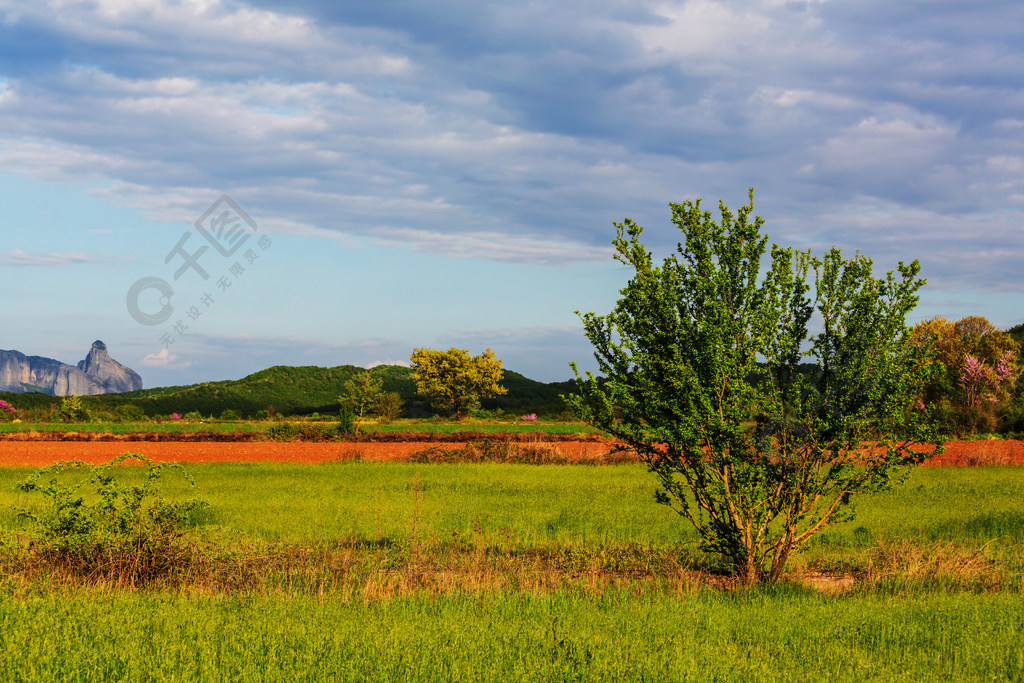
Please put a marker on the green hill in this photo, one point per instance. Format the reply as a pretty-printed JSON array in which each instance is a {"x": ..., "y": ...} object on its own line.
[{"x": 302, "y": 390}]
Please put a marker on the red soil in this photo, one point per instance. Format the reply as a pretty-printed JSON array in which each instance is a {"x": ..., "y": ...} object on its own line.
[{"x": 39, "y": 453}]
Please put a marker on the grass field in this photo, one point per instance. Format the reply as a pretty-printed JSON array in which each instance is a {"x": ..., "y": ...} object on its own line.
[
  {"x": 362, "y": 571},
  {"x": 249, "y": 427}
]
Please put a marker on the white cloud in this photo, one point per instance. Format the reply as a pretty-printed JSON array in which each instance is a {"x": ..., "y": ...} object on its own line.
[
  {"x": 376, "y": 363},
  {"x": 164, "y": 359},
  {"x": 21, "y": 258}
]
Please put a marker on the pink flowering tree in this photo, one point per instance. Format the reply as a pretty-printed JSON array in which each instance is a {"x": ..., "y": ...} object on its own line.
[
  {"x": 983, "y": 384},
  {"x": 8, "y": 412}
]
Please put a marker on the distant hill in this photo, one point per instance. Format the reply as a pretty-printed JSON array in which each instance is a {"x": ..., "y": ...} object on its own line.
[{"x": 304, "y": 390}]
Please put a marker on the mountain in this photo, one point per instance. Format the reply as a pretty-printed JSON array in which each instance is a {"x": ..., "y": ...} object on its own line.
[
  {"x": 307, "y": 389},
  {"x": 97, "y": 374}
]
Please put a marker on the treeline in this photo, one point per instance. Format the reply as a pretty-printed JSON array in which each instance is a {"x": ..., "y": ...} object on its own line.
[{"x": 288, "y": 390}]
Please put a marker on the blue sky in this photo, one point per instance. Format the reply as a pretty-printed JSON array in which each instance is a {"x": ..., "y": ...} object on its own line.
[{"x": 446, "y": 174}]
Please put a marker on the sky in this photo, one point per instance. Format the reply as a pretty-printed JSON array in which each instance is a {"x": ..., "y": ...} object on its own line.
[{"x": 400, "y": 174}]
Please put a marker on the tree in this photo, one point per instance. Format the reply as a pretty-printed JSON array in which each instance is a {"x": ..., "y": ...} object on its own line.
[
  {"x": 701, "y": 359},
  {"x": 72, "y": 409},
  {"x": 454, "y": 380},
  {"x": 976, "y": 368},
  {"x": 361, "y": 391},
  {"x": 389, "y": 406}
]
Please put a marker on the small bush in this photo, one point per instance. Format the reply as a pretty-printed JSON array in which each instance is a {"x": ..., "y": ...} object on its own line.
[
  {"x": 281, "y": 431},
  {"x": 127, "y": 533},
  {"x": 346, "y": 422},
  {"x": 230, "y": 414},
  {"x": 8, "y": 413}
]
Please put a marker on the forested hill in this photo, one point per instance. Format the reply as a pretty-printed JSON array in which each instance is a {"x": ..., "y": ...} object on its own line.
[{"x": 303, "y": 390}]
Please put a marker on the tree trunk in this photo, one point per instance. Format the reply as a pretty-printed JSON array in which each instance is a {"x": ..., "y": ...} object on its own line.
[{"x": 748, "y": 571}]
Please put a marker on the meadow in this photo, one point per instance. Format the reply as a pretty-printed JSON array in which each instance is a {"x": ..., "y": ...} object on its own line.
[{"x": 378, "y": 571}]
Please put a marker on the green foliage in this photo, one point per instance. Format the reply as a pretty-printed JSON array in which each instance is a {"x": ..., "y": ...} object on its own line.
[
  {"x": 363, "y": 391},
  {"x": 702, "y": 357},
  {"x": 130, "y": 530},
  {"x": 529, "y": 396},
  {"x": 295, "y": 391},
  {"x": 389, "y": 406},
  {"x": 453, "y": 380},
  {"x": 957, "y": 345},
  {"x": 347, "y": 421},
  {"x": 72, "y": 410},
  {"x": 230, "y": 414},
  {"x": 129, "y": 412}
]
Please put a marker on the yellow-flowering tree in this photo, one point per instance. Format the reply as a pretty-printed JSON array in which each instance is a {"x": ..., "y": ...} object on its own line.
[{"x": 454, "y": 380}]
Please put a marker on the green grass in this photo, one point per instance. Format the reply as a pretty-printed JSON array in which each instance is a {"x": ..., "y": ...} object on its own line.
[
  {"x": 487, "y": 427},
  {"x": 394, "y": 536},
  {"x": 532, "y": 504},
  {"x": 133, "y": 427},
  {"x": 779, "y": 635},
  {"x": 248, "y": 427}
]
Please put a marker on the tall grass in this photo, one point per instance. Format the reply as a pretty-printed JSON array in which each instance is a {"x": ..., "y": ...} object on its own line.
[{"x": 779, "y": 635}]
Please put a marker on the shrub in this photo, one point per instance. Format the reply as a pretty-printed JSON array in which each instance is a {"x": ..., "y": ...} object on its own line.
[
  {"x": 347, "y": 421},
  {"x": 126, "y": 532},
  {"x": 281, "y": 431},
  {"x": 193, "y": 416},
  {"x": 230, "y": 414},
  {"x": 389, "y": 406},
  {"x": 8, "y": 413}
]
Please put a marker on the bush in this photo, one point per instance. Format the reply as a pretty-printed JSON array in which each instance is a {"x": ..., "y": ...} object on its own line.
[
  {"x": 389, "y": 407},
  {"x": 281, "y": 431},
  {"x": 346, "y": 421},
  {"x": 193, "y": 416},
  {"x": 230, "y": 414},
  {"x": 8, "y": 413},
  {"x": 129, "y": 533}
]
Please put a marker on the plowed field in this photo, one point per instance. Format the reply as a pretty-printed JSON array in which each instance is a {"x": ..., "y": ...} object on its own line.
[{"x": 38, "y": 453}]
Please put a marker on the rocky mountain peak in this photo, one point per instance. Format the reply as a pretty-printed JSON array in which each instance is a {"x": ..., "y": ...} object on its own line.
[
  {"x": 108, "y": 372},
  {"x": 97, "y": 374}
]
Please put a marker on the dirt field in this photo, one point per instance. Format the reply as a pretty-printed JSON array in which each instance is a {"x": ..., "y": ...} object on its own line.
[{"x": 38, "y": 453}]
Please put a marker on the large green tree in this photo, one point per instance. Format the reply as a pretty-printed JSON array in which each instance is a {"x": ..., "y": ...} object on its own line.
[
  {"x": 454, "y": 380},
  {"x": 705, "y": 361}
]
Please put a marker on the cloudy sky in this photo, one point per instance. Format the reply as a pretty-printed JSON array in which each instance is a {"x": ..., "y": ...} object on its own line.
[{"x": 446, "y": 174}]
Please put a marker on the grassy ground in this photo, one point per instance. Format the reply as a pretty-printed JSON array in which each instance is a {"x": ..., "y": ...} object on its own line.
[
  {"x": 248, "y": 426},
  {"x": 486, "y": 572},
  {"x": 133, "y": 427},
  {"x": 781, "y": 635}
]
